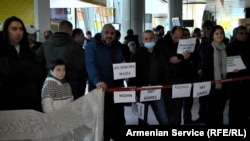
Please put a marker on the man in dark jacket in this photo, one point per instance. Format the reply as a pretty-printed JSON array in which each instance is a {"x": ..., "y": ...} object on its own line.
[
  {"x": 151, "y": 70},
  {"x": 177, "y": 68},
  {"x": 101, "y": 53},
  {"x": 239, "y": 102}
]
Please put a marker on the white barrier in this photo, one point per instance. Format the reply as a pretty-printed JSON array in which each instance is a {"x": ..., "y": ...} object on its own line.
[{"x": 82, "y": 120}]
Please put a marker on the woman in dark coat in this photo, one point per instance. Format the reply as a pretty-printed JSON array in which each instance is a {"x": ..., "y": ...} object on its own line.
[{"x": 214, "y": 67}]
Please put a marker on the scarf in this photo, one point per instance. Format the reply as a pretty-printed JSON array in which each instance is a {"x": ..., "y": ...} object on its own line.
[
  {"x": 220, "y": 62},
  {"x": 60, "y": 80}
]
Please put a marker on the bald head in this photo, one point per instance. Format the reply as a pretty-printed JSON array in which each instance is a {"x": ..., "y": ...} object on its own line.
[
  {"x": 176, "y": 33},
  {"x": 108, "y": 34}
]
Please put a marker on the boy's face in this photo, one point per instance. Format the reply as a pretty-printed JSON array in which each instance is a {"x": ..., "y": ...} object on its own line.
[{"x": 59, "y": 72}]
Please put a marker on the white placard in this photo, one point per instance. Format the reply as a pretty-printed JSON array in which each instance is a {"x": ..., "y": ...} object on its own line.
[
  {"x": 151, "y": 94},
  {"x": 235, "y": 62},
  {"x": 201, "y": 89},
  {"x": 124, "y": 70},
  {"x": 181, "y": 90},
  {"x": 186, "y": 45},
  {"x": 124, "y": 96},
  {"x": 134, "y": 108},
  {"x": 140, "y": 110}
]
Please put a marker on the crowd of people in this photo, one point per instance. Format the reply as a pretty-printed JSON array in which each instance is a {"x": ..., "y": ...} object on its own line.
[{"x": 46, "y": 76}]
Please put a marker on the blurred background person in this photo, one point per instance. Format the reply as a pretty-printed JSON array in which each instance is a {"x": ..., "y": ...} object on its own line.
[
  {"x": 206, "y": 29},
  {"x": 32, "y": 37},
  {"x": 132, "y": 47},
  {"x": 159, "y": 32},
  {"x": 78, "y": 36},
  {"x": 125, "y": 50},
  {"x": 88, "y": 38},
  {"x": 47, "y": 34},
  {"x": 197, "y": 33},
  {"x": 131, "y": 37}
]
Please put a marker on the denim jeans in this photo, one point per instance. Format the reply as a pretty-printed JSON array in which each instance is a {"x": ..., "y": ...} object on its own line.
[{"x": 159, "y": 109}]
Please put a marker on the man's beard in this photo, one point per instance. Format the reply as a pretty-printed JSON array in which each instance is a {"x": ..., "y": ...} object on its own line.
[{"x": 107, "y": 44}]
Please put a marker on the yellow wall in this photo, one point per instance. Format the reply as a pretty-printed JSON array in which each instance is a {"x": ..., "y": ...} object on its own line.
[{"x": 24, "y": 9}]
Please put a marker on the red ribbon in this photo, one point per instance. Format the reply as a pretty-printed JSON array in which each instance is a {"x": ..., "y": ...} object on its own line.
[{"x": 134, "y": 88}]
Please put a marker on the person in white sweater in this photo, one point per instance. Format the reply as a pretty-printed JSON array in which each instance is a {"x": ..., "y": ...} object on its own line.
[{"x": 56, "y": 91}]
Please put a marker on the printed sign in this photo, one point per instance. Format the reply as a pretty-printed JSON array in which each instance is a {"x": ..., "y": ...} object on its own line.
[
  {"x": 201, "y": 89},
  {"x": 124, "y": 70},
  {"x": 124, "y": 96},
  {"x": 151, "y": 94},
  {"x": 186, "y": 45},
  {"x": 181, "y": 90},
  {"x": 235, "y": 62}
]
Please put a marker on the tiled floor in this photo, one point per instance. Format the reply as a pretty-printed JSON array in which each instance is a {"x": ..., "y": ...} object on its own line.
[{"x": 131, "y": 118}]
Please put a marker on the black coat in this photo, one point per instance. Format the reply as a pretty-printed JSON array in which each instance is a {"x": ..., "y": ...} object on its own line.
[
  {"x": 21, "y": 78},
  {"x": 142, "y": 57}
]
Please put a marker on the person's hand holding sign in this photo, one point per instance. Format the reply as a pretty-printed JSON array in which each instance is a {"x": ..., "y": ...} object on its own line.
[{"x": 186, "y": 54}]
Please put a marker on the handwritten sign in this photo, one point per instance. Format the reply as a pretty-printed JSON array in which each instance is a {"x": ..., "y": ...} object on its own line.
[
  {"x": 235, "y": 62},
  {"x": 201, "y": 89},
  {"x": 151, "y": 94},
  {"x": 186, "y": 45},
  {"x": 124, "y": 70},
  {"x": 124, "y": 96},
  {"x": 181, "y": 90}
]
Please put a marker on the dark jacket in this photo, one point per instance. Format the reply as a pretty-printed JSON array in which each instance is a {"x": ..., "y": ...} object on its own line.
[
  {"x": 21, "y": 77},
  {"x": 61, "y": 45},
  {"x": 134, "y": 38},
  {"x": 99, "y": 61},
  {"x": 144, "y": 70},
  {"x": 242, "y": 49},
  {"x": 169, "y": 48},
  {"x": 125, "y": 51}
]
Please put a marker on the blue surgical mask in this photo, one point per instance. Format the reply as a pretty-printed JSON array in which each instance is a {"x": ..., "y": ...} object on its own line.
[{"x": 149, "y": 44}]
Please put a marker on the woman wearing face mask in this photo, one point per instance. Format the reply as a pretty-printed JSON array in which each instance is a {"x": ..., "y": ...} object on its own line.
[{"x": 151, "y": 70}]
